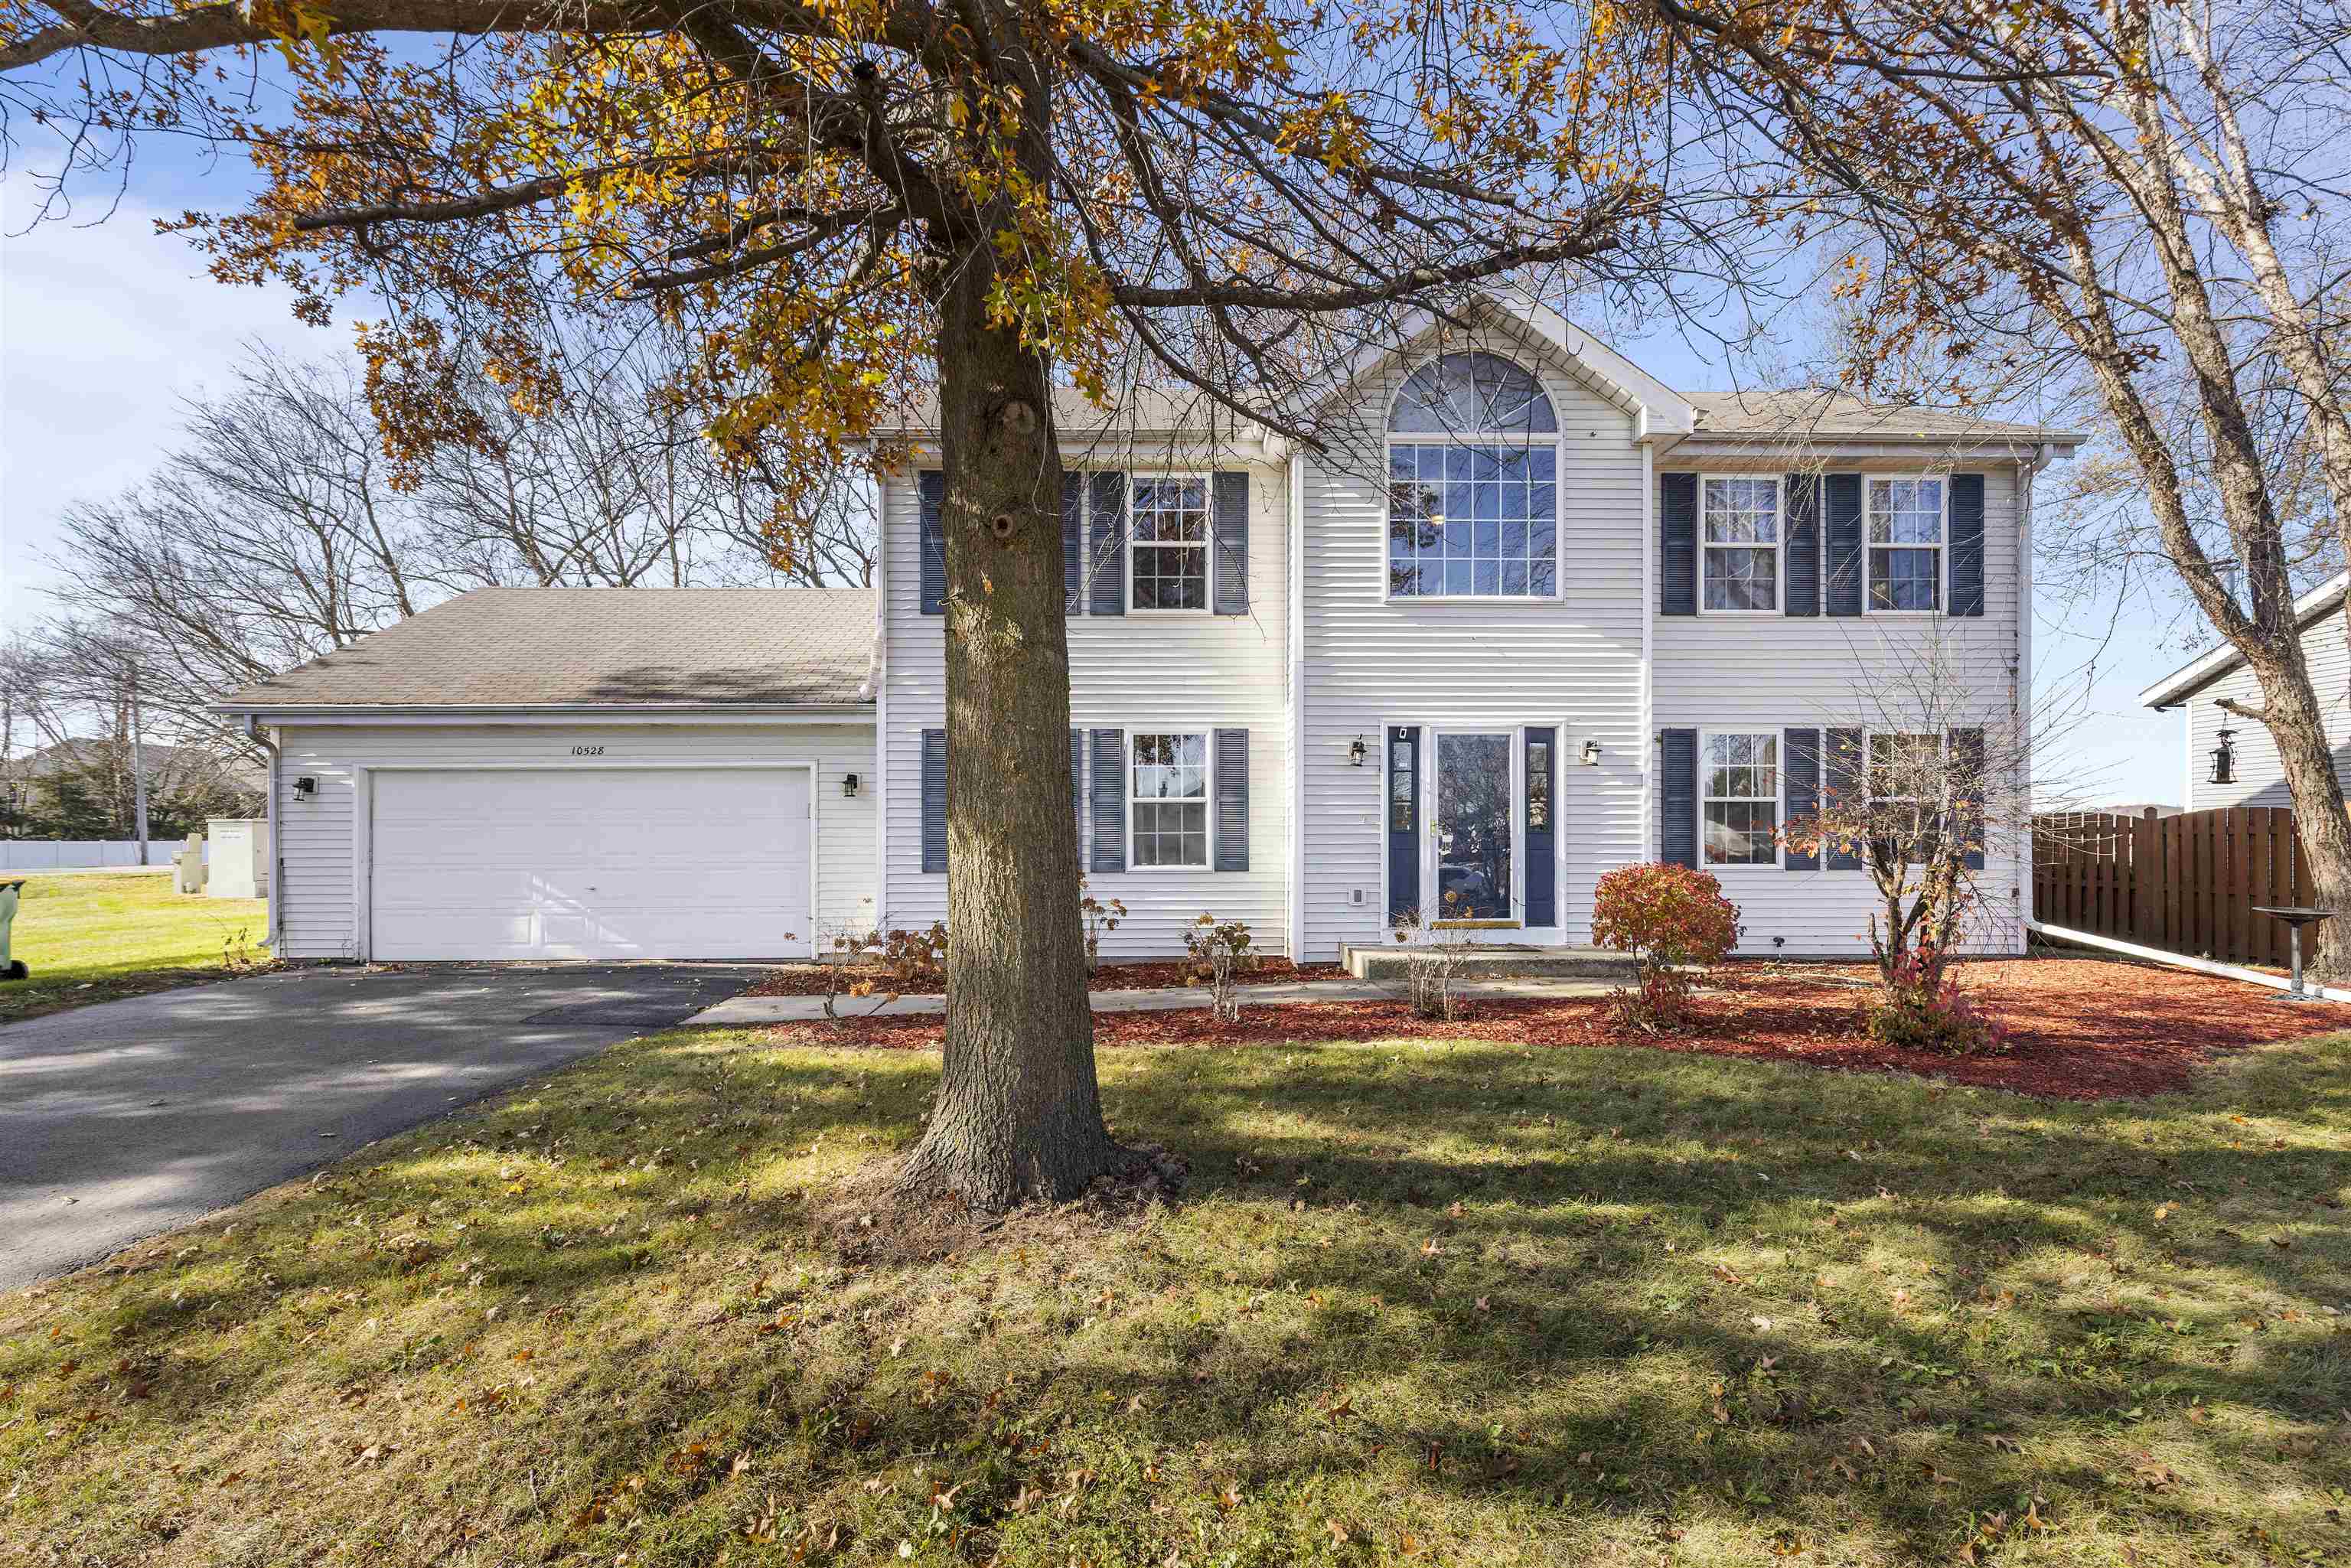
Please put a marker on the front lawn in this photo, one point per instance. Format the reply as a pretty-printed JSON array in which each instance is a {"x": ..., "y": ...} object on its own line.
[
  {"x": 96, "y": 937},
  {"x": 1422, "y": 1302}
]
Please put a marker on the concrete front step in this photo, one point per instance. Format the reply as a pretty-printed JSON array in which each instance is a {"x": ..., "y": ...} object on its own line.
[{"x": 1496, "y": 961}]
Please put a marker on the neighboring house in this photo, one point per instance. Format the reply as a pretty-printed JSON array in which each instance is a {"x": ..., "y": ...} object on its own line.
[
  {"x": 1538, "y": 616},
  {"x": 87, "y": 788},
  {"x": 2252, "y": 775}
]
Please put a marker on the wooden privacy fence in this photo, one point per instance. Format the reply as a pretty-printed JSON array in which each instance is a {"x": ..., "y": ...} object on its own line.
[{"x": 2187, "y": 883}]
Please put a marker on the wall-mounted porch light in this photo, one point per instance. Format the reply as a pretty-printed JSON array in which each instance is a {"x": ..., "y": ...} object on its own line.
[
  {"x": 306, "y": 788},
  {"x": 1591, "y": 753},
  {"x": 2224, "y": 758},
  {"x": 1356, "y": 753},
  {"x": 849, "y": 786}
]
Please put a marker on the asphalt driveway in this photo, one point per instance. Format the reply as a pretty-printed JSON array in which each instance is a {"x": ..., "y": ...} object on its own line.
[{"x": 127, "y": 1118}]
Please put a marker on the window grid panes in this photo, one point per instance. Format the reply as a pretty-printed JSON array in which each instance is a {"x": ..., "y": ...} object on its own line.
[
  {"x": 1472, "y": 520},
  {"x": 1472, "y": 394},
  {"x": 1171, "y": 543},
  {"x": 1742, "y": 799},
  {"x": 1170, "y": 800},
  {"x": 1906, "y": 779},
  {"x": 1742, "y": 544},
  {"x": 1905, "y": 544}
]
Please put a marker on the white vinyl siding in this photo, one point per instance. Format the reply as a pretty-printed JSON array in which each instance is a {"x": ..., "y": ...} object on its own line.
[
  {"x": 317, "y": 841},
  {"x": 1370, "y": 661},
  {"x": 2260, "y": 779},
  {"x": 1816, "y": 672},
  {"x": 1135, "y": 672}
]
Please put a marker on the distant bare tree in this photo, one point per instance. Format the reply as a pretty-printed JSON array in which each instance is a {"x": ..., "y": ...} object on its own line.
[{"x": 277, "y": 529}]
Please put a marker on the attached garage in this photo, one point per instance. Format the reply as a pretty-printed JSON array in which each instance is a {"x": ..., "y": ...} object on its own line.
[
  {"x": 603, "y": 863},
  {"x": 579, "y": 774}
]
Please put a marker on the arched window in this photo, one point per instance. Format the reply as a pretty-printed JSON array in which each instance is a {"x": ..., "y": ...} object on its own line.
[{"x": 1473, "y": 490}]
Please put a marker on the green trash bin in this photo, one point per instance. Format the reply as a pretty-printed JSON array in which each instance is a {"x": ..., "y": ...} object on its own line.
[{"x": 11, "y": 967}]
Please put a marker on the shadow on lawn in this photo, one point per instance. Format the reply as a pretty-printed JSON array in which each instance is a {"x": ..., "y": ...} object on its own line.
[{"x": 1668, "y": 1296}]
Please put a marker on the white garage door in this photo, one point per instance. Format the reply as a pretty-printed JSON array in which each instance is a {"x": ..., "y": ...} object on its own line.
[{"x": 591, "y": 864}]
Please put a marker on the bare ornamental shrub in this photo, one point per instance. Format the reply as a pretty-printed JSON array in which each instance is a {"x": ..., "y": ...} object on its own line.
[
  {"x": 1099, "y": 918},
  {"x": 1220, "y": 950},
  {"x": 1433, "y": 967},
  {"x": 1676, "y": 924}
]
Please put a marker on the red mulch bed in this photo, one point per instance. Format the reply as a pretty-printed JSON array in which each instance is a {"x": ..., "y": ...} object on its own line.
[
  {"x": 2080, "y": 1029},
  {"x": 1158, "y": 975}
]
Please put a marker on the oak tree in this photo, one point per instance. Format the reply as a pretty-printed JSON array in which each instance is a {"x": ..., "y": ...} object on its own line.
[{"x": 837, "y": 200}]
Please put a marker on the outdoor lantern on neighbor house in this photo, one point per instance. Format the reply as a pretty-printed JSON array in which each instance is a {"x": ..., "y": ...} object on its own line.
[
  {"x": 849, "y": 786},
  {"x": 2224, "y": 758},
  {"x": 1591, "y": 753},
  {"x": 1356, "y": 753}
]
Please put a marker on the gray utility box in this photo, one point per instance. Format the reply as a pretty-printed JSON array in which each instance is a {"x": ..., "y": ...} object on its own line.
[{"x": 240, "y": 858}]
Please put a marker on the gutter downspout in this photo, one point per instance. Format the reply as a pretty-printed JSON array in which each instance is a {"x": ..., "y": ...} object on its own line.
[{"x": 1296, "y": 694}]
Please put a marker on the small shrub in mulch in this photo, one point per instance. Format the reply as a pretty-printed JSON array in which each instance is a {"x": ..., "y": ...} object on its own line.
[{"x": 2076, "y": 1029}]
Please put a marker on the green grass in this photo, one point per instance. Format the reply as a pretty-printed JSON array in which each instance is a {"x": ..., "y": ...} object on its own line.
[
  {"x": 1459, "y": 1304},
  {"x": 94, "y": 937}
]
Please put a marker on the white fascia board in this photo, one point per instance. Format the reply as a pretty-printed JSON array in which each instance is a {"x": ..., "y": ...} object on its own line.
[
  {"x": 2184, "y": 682},
  {"x": 1657, "y": 410},
  {"x": 552, "y": 713}
]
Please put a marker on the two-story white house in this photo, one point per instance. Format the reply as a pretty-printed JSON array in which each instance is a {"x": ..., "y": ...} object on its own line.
[{"x": 1531, "y": 616}]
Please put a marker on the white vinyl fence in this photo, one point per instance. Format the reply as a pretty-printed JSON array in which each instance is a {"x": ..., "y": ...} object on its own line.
[{"x": 84, "y": 854}]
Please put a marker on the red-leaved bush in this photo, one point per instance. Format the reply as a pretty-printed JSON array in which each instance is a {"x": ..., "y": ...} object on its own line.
[
  {"x": 1675, "y": 921},
  {"x": 1920, "y": 1006}
]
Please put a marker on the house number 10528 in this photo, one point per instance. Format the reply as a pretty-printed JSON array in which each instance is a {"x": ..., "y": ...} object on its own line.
[{"x": 586, "y": 751}]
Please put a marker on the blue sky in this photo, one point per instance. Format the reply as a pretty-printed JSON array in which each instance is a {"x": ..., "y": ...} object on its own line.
[{"x": 105, "y": 326}]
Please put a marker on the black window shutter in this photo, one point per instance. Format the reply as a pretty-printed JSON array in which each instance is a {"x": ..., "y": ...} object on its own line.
[
  {"x": 1232, "y": 799},
  {"x": 1799, "y": 765},
  {"x": 1677, "y": 544},
  {"x": 934, "y": 800},
  {"x": 1078, "y": 788},
  {"x": 1842, "y": 775},
  {"x": 1845, "y": 552},
  {"x": 1543, "y": 822},
  {"x": 1800, "y": 504},
  {"x": 1231, "y": 532},
  {"x": 1677, "y": 796},
  {"x": 1404, "y": 820},
  {"x": 1109, "y": 799},
  {"x": 932, "y": 567},
  {"x": 1967, "y": 783},
  {"x": 1967, "y": 544},
  {"x": 1107, "y": 548},
  {"x": 1073, "y": 543}
]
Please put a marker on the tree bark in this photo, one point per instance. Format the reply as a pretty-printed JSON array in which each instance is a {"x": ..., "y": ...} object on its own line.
[{"x": 1019, "y": 1113}]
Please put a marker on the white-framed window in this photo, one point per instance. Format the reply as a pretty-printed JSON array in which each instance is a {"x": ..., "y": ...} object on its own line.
[
  {"x": 1904, "y": 775},
  {"x": 1904, "y": 523},
  {"x": 1167, "y": 799},
  {"x": 1739, "y": 539},
  {"x": 1473, "y": 483},
  {"x": 1168, "y": 558},
  {"x": 1739, "y": 797}
]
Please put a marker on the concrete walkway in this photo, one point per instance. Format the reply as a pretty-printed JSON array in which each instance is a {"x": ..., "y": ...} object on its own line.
[{"x": 744, "y": 1011}]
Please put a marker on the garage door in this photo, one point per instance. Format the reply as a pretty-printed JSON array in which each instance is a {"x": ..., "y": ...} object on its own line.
[{"x": 591, "y": 864}]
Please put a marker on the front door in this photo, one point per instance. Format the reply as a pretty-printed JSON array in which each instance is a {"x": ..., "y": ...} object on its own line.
[{"x": 1473, "y": 827}]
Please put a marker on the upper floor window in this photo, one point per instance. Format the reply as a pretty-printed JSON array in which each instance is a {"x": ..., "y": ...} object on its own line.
[
  {"x": 1170, "y": 553},
  {"x": 1473, "y": 509},
  {"x": 1739, "y": 543},
  {"x": 1906, "y": 543}
]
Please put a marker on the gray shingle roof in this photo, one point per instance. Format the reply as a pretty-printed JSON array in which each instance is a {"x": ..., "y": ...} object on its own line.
[
  {"x": 1802, "y": 413},
  {"x": 524, "y": 647}
]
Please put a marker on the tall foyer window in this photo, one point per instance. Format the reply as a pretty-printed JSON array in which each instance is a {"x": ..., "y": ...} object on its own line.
[{"x": 1473, "y": 483}]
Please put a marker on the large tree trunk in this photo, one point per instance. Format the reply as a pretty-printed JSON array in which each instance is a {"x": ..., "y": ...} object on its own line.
[
  {"x": 2290, "y": 711},
  {"x": 1019, "y": 1113}
]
